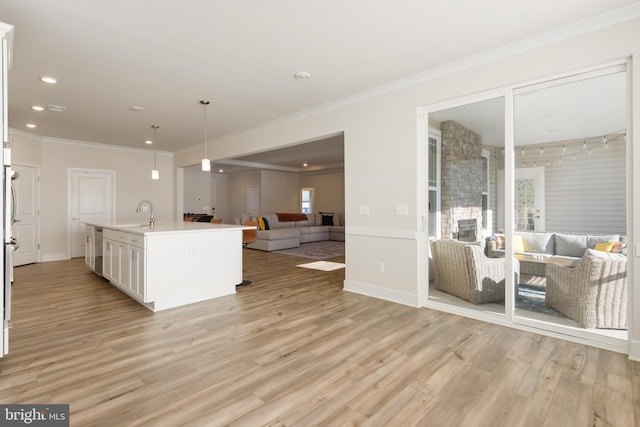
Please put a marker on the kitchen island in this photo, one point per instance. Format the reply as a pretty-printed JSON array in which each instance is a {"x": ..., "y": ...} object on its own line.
[{"x": 172, "y": 264}]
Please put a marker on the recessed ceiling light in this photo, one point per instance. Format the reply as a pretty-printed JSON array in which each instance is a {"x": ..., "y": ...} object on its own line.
[
  {"x": 148, "y": 142},
  {"x": 220, "y": 170},
  {"x": 305, "y": 165},
  {"x": 302, "y": 75},
  {"x": 37, "y": 107},
  {"x": 31, "y": 125},
  {"x": 136, "y": 109},
  {"x": 48, "y": 79}
]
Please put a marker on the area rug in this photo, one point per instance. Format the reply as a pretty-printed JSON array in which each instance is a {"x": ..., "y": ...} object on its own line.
[
  {"x": 532, "y": 299},
  {"x": 322, "y": 265},
  {"x": 316, "y": 250}
]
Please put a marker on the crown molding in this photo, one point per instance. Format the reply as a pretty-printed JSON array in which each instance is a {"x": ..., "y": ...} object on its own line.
[{"x": 103, "y": 146}]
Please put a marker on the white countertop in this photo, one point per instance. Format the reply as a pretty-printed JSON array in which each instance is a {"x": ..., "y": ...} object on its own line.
[{"x": 167, "y": 227}]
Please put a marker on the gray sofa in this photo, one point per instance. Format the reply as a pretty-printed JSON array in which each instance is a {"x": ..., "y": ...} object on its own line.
[
  {"x": 568, "y": 247},
  {"x": 290, "y": 234}
]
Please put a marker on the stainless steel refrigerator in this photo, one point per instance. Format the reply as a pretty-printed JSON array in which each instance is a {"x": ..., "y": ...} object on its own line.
[{"x": 6, "y": 35}]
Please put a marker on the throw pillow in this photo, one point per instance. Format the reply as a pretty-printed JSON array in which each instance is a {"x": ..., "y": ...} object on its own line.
[
  {"x": 335, "y": 221},
  {"x": 605, "y": 246},
  {"x": 518, "y": 243},
  {"x": 260, "y": 223},
  {"x": 266, "y": 223},
  {"x": 499, "y": 238},
  {"x": 619, "y": 247},
  {"x": 327, "y": 219}
]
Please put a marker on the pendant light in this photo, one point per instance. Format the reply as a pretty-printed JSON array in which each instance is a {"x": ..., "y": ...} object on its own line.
[
  {"x": 155, "y": 173},
  {"x": 206, "y": 163}
]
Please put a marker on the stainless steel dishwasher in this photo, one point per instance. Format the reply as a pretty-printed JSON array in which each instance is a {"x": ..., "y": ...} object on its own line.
[{"x": 97, "y": 251}]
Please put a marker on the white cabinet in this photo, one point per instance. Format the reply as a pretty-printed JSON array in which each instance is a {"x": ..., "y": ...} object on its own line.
[
  {"x": 137, "y": 265},
  {"x": 107, "y": 260},
  {"x": 90, "y": 247},
  {"x": 124, "y": 262}
]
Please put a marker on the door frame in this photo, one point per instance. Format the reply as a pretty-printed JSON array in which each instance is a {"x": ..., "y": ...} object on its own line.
[
  {"x": 510, "y": 319},
  {"x": 37, "y": 207},
  {"x": 70, "y": 172},
  {"x": 256, "y": 190}
]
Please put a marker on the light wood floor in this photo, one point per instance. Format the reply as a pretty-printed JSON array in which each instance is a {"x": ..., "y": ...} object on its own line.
[{"x": 294, "y": 349}]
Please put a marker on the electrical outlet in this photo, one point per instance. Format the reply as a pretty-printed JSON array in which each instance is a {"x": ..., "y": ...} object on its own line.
[{"x": 381, "y": 267}]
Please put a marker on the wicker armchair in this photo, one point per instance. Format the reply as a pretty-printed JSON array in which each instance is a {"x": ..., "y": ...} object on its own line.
[
  {"x": 594, "y": 293},
  {"x": 463, "y": 270}
]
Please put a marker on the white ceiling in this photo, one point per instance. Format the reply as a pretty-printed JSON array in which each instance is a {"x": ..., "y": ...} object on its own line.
[{"x": 165, "y": 56}]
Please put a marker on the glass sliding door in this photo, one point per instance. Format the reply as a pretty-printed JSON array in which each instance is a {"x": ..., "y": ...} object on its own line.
[
  {"x": 570, "y": 202},
  {"x": 434, "y": 185},
  {"x": 469, "y": 159}
]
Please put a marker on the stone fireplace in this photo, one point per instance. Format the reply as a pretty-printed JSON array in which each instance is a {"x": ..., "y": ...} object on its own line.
[
  {"x": 462, "y": 182},
  {"x": 467, "y": 230}
]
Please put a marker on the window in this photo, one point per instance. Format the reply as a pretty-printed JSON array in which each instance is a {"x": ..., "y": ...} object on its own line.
[
  {"x": 486, "y": 210},
  {"x": 306, "y": 197},
  {"x": 434, "y": 185}
]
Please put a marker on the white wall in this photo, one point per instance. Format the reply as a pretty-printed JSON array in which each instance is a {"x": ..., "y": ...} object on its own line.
[
  {"x": 238, "y": 193},
  {"x": 279, "y": 192},
  {"x": 197, "y": 190},
  {"x": 220, "y": 197},
  {"x": 384, "y": 158},
  {"x": 133, "y": 183},
  {"x": 329, "y": 190}
]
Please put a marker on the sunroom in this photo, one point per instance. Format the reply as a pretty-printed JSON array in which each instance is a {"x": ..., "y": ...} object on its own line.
[{"x": 528, "y": 201}]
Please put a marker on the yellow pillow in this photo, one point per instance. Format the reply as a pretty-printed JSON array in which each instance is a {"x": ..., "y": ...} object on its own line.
[
  {"x": 604, "y": 246},
  {"x": 518, "y": 244},
  {"x": 260, "y": 223}
]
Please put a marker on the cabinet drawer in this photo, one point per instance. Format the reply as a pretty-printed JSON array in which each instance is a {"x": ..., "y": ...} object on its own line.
[
  {"x": 118, "y": 236},
  {"x": 135, "y": 240}
]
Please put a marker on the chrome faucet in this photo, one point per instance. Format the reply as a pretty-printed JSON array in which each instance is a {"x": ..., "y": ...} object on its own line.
[{"x": 152, "y": 220}]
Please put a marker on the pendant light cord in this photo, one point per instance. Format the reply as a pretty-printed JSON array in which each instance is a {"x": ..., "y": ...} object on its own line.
[
  {"x": 205, "y": 130},
  {"x": 155, "y": 152},
  {"x": 204, "y": 112}
]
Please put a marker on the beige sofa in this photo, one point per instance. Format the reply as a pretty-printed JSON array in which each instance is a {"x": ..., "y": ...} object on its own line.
[{"x": 291, "y": 233}]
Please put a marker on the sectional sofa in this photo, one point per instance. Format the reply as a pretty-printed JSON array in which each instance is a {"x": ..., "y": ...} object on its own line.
[
  {"x": 561, "y": 246},
  {"x": 286, "y": 230}
]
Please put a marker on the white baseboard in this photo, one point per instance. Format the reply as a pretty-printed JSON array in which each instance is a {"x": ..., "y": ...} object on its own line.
[
  {"x": 634, "y": 350},
  {"x": 386, "y": 294},
  {"x": 55, "y": 257}
]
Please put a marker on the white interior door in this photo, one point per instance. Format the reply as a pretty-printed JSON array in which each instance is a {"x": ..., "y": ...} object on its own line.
[
  {"x": 253, "y": 200},
  {"x": 91, "y": 199},
  {"x": 26, "y": 228},
  {"x": 530, "y": 199}
]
